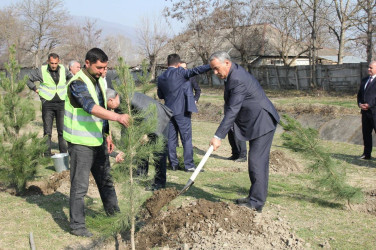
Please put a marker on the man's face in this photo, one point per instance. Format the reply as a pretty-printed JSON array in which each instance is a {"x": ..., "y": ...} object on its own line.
[
  {"x": 219, "y": 68},
  {"x": 372, "y": 69},
  {"x": 113, "y": 103},
  {"x": 96, "y": 69},
  {"x": 53, "y": 62},
  {"x": 75, "y": 68}
]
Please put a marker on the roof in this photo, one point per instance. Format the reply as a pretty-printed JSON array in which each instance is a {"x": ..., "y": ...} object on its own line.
[{"x": 345, "y": 59}]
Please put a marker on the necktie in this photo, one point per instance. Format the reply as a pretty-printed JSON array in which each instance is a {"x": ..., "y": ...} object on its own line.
[{"x": 368, "y": 83}]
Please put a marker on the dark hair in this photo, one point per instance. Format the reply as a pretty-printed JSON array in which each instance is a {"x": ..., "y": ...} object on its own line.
[
  {"x": 96, "y": 54},
  {"x": 53, "y": 55},
  {"x": 173, "y": 60}
]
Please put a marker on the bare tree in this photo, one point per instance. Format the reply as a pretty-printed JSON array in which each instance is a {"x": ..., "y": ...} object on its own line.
[
  {"x": 293, "y": 32},
  {"x": 366, "y": 24},
  {"x": 241, "y": 18},
  {"x": 203, "y": 34},
  {"x": 43, "y": 21},
  {"x": 119, "y": 46},
  {"x": 152, "y": 37},
  {"x": 346, "y": 12}
]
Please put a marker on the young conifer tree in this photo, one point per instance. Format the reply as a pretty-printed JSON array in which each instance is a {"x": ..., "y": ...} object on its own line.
[
  {"x": 20, "y": 150},
  {"x": 136, "y": 147},
  {"x": 329, "y": 174}
]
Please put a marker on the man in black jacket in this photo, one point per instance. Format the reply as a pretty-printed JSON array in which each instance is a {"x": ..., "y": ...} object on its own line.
[
  {"x": 367, "y": 103},
  {"x": 254, "y": 119}
]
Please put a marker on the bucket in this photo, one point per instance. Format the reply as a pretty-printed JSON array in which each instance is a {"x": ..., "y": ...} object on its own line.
[{"x": 61, "y": 162}]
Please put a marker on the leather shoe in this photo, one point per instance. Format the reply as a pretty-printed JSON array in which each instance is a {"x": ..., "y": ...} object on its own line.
[
  {"x": 243, "y": 159},
  {"x": 192, "y": 170},
  {"x": 247, "y": 205},
  {"x": 232, "y": 158},
  {"x": 365, "y": 157},
  {"x": 242, "y": 200},
  {"x": 83, "y": 232},
  {"x": 155, "y": 187}
]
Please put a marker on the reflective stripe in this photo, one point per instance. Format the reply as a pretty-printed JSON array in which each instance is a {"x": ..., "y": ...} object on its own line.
[
  {"x": 42, "y": 85},
  {"x": 61, "y": 86},
  {"x": 81, "y": 118},
  {"x": 89, "y": 134},
  {"x": 42, "y": 91},
  {"x": 62, "y": 93}
]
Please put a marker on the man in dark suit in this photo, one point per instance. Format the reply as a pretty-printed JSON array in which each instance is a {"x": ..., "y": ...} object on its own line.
[
  {"x": 174, "y": 87},
  {"x": 367, "y": 104},
  {"x": 238, "y": 147},
  {"x": 254, "y": 119},
  {"x": 195, "y": 87}
]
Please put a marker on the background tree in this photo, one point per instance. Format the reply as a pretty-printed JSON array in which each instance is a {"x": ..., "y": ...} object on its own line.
[
  {"x": 43, "y": 21},
  {"x": 20, "y": 151},
  {"x": 152, "y": 37}
]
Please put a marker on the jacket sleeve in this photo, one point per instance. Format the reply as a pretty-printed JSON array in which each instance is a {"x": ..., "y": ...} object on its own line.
[
  {"x": 34, "y": 76},
  {"x": 236, "y": 97},
  {"x": 188, "y": 73},
  {"x": 196, "y": 88}
]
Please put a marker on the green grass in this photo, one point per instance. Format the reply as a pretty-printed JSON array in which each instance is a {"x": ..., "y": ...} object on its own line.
[{"x": 293, "y": 198}]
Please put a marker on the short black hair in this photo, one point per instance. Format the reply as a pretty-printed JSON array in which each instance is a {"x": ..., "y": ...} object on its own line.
[
  {"x": 173, "y": 60},
  {"x": 53, "y": 55},
  {"x": 96, "y": 54}
]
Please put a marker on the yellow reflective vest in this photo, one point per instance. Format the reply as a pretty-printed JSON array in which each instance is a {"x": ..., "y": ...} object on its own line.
[
  {"x": 48, "y": 88},
  {"x": 81, "y": 127}
]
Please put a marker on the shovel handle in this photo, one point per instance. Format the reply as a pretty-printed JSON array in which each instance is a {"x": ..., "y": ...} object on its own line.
[{"x": 202, "y": 162}]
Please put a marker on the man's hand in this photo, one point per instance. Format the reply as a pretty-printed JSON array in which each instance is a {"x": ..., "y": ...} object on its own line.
[
  {"x": 110, "y": 144},
  {"x": 215, "y": 142},
  {"x": 119, "y": 157},
  {"x": 37, "y": 91},
  {"x": 124, "y": 119},
  {"x": 364, "y": 106}
]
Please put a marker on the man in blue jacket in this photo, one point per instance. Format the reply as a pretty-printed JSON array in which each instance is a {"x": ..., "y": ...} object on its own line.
[
  {"x": 254, "y": 119},
  {"x": 174, "y": 87}
]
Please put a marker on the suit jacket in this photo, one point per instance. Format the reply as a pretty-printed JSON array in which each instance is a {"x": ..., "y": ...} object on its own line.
[
  {"x": 246, "y": 107},
  {"x": 196, "y": 88},
  {"x": 141, "y": 102},
  {"x": 368, "y": 95},
  {"x": 172, "y": 87}
]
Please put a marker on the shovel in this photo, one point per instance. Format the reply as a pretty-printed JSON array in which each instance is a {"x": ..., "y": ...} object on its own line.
[{"x": 198, "y": 169}]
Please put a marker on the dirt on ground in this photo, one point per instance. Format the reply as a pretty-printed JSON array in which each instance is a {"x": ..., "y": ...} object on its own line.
[
  {"x": 369, "y": 205},
  {"x": 203, "y": 224},
  {"x": 280, "y": 163}
]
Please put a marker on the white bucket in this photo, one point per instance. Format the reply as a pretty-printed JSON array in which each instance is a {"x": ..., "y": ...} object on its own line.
[{"x": 61, "y": 162}]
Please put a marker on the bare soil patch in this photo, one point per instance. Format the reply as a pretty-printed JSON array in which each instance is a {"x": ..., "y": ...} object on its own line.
[
  {"x": 369, "y": 206},
  {"x": 204, "y": 224},
  {"x": 280, "y": 163}
]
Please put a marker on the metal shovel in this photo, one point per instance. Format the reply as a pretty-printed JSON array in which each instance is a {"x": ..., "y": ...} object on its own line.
[{"x": 198, "y": 169}]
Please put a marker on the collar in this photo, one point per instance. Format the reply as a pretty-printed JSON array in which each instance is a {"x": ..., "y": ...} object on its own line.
[
  {"x": 49, "y": 68},
  {"x": 92, "y": 79}
]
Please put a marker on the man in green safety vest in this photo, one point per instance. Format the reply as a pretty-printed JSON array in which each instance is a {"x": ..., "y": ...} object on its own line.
[
  {"x": 86, "y": 130},
  {"x": 52, "y": 91}
]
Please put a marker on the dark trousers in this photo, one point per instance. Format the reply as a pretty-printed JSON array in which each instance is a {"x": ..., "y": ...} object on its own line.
[
  {"x": 368, "y": 125},
  {"x": 180, "y": 123},
  {"x": 83, "y": 160},
  {"x": 258, "y": 168},
  {"x": 238, "y": 147},
  {"x": 160, "y": 165},
  {"x": 51, "y": 110}
]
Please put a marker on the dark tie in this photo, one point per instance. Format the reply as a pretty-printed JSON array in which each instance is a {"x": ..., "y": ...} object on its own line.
[{"x": 369, "y": 82}]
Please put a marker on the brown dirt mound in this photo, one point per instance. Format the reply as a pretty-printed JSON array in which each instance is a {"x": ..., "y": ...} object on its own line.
[
  {"x": 209, "y": 112},
  {"x": 369, "y": 206},
  {"x": 47, "y": 186},
  {"x": 216, "y": 225},
  {"x": 159, "y": 199},
  {"x": 280, "y": 163}
]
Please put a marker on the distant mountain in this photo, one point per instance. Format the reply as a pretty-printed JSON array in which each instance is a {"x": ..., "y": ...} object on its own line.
[{"x": 110, "y": 28}]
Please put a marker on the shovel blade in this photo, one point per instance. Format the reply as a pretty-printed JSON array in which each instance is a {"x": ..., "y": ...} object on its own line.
[{"x": 186, "y": 187}]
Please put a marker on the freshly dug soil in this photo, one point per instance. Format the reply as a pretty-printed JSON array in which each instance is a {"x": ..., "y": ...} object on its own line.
[
  {"x": 159, "y": 199},
  {"x": 215, "y": 225},
  {"x": 282, "y": 164}
]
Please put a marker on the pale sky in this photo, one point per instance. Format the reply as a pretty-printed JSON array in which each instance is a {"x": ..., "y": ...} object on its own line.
[{"x": 126, "y": 12}]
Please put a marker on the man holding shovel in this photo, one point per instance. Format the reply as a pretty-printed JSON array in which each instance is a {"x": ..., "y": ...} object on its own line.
[{"x": 254, "y": 119}]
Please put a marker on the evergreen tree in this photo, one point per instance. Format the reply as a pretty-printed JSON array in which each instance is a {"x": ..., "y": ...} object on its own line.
[
  {"x": 135, "y": 146},
  {"x": 329, "y": 175},
  {"x": 20, "y": 150}
]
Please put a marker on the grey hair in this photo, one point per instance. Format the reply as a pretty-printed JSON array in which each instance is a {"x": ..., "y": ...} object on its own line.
[
  {"x": 111, "y": 93},
  {"x": 220, "y": 55},
  {"x": 71, "y": 63},
  {"x": 372, "y": 62}
]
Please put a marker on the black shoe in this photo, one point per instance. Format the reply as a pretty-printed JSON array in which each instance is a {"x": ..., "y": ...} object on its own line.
[
  {"x": 243, "y": 159},
  {"x": 192, "y": 170},
  {"x": 232, "y": 158},
  {"x": 242, "y": 200},
  {"x": 247, "y": 205},
  {"x": 83, "y": 232},
  {"x": 365, "y": 157},
  {"x": 155, "y": 187}
]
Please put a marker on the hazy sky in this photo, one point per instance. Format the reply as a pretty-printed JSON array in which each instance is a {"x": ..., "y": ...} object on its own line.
[{"x": 126, "y": 12}]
